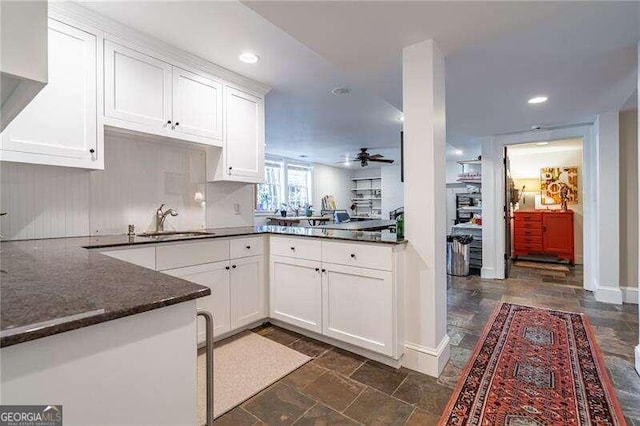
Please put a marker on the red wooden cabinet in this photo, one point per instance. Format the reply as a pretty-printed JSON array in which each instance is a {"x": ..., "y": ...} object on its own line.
[{"x": 544, "y": 232}]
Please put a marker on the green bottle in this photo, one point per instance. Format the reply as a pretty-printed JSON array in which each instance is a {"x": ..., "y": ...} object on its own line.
[{"x": 400, "y": 226}]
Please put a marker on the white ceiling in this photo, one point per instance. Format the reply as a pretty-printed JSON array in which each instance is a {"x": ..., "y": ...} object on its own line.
[
  {"x": 302, "y": 116},
  {"x": 556, "y": 146},
  {"x": 582, "y": 55}
]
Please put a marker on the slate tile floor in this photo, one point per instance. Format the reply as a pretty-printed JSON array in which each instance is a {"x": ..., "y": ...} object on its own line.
[{"x": 341, "y": 388}]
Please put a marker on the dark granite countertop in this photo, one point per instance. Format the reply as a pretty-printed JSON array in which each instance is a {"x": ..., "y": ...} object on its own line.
[
  {"x": 382, "y": 237},
  {"x": 55, "y": 285}
]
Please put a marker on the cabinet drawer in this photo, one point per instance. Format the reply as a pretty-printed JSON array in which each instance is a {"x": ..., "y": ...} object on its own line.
[
  {"x": 528, "y": 240},
  {"x": 527, "y": 232},
  {"x": 530, "y": 247},
  {"x": 359, "y": 255},
  {"x": 245, "y": 247},
  {"x": 528, "y": 217},
  {"x": 179, "y": 255},
  {"x": 527, "y": 225},
  {"x": 300, "y": 248}
]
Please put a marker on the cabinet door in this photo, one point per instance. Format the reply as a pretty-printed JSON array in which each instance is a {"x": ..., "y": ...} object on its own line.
[
  {"x": 296, "y": 292},
  {"x": 59, "y": 126},
  {"x": 197, "y": 105},
  {"x": 247, "y": 291},
  {"x": 244, "y": 135},
  {"x": 216, "y": 277},
  {"x": 137, "y": 88},
  {"x": 357, "y": 307},
  {"x": 557, "y": 233}
]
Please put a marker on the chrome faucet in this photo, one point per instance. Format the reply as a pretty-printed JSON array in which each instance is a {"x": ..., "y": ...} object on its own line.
[{"x": 161, "y": 216}]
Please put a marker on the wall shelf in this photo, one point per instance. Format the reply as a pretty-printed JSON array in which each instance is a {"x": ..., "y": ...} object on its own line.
[{"x": 370, "y": 189}]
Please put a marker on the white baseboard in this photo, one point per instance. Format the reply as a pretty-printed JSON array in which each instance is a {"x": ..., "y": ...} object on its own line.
[
  {"x": 629, "y": 294},
  {"x": 487, "y": 273},
  {"x": 638, "y": 359},
  {"x": 609, "y": 295},
  {"x": 427, "y": 360}
]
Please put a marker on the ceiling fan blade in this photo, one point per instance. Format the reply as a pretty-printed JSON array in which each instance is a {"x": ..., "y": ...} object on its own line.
[
  {"x": 375, "y": 156},
  {"x": 377, "y": 160}
]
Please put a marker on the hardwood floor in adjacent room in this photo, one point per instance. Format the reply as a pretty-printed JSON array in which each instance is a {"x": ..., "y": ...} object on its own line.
[{"x": 339, "y": 387}]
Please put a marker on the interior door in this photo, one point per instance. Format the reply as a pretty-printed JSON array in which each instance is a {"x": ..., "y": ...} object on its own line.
[
  {"x": 197, "y": 105},
  {"x": 508, "y": 213},
  {"x": 216, "y": 277}
]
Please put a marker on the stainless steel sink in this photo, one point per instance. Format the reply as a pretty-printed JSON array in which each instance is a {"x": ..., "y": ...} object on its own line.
[{"x": 174, "y": 234}]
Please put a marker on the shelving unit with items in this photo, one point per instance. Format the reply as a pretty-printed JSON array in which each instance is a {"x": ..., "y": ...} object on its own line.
[{"x": 366, "y": 197}]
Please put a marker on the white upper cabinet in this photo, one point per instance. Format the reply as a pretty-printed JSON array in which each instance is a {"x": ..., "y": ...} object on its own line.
[
  {"x": 59, "y": 127},
  {"x": 149, "y": 95},
  {"x": 244, "y": 145},
  {"x": 197, "y": 105},
  {"x": 137, "y": 88}
]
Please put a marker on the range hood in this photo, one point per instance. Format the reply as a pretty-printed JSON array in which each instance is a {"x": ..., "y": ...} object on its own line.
[{"x": 23, "y": 55}]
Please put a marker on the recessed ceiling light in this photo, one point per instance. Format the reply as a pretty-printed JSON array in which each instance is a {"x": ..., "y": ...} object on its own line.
[
  {"x": 542, "y": 143},
  {"x": 459, "y": 152},
  {"x": 249, "y": 58},
  {"x": 538, "y": 100},
  {"x": 340, "y": 91}
]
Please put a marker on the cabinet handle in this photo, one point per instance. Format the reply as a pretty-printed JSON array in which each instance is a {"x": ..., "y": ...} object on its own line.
[
  {"x": 226, "y": 267},
  {"x": 324, "y": 270},
  {"x": 248, "y": 247},
  {"x": 544, "y": 229},
  {"x": 317, "y": 269},
  {"x": 168, "y": 121},
  {"x": 353, "y": 256},
  {"x": 293, "y": 249},
  {"x": 233, "y": 266},
  {"x": 177, "y": 124}
]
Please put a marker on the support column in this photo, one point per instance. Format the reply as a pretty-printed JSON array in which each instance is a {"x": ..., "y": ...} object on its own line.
[
  {"x": 638, "y": 106},
  {"x": 608, "y": 208},
  {"x": 423, "y": 88}
]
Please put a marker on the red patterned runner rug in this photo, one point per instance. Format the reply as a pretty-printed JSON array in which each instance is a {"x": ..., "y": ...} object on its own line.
[{"x": 534, "y": 367}]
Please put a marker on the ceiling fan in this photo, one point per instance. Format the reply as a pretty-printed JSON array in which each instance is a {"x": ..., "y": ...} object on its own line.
[{"x": 364, "y": 157}]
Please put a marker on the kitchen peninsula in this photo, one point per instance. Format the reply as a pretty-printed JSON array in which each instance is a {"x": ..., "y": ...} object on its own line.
[{"x": 72, "y": 310}]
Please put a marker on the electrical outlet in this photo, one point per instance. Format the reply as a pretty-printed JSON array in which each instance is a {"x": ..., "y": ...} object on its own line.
[{"x": 236, "y": 208}]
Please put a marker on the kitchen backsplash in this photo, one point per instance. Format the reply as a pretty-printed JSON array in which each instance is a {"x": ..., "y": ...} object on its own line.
[{"x": 140, "y": 174}]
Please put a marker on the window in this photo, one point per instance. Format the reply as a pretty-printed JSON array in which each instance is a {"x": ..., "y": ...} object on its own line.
[
  {"x": 269, "y": 194},
  {"x": 298, "y": 186},
  {"x": 285, "y": 183}
]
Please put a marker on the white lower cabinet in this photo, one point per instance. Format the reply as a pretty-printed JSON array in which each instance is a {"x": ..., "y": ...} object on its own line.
[
  {"x": 345, "y": 291},
  {"x": 296, "y": 292},
  {"x": 216, "y": 276},
  {"x": 358, "y": 307},
  {"x": 248, "y": 296}
]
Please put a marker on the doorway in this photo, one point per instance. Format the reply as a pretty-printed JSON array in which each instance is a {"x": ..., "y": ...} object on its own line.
[{"x": 544, "y": 205}]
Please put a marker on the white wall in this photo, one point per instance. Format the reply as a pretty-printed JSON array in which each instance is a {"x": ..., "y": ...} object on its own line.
[
  {"x": 527, "y": 165},
  {"x": 629, "y": 199},
  {"x": 328, "y": 180},
  {"x": 139, "y": 175},
  {"x": 392, "y": 189}
]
